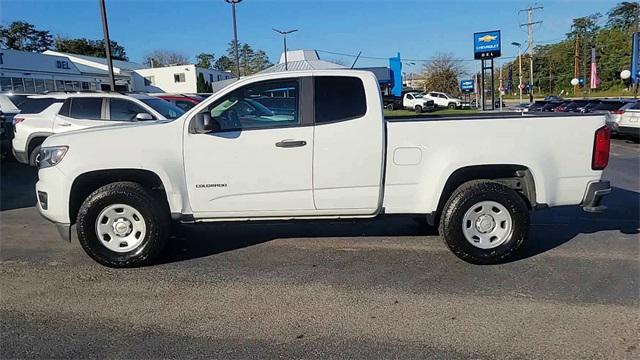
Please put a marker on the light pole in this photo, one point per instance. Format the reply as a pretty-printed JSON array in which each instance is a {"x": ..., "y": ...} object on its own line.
[
  {"x": 519, "y": 46},
  {"x": 235, "y": 33},
  {"x": 410, "y": 65},
  {"x": 284, "y": 34},
  {"x": 107, "y": 44}
]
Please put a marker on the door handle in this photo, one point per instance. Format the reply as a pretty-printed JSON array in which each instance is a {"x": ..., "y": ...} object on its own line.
[
  {"x": 64, "y": 123},
  {"x": 291, "y": 143}
]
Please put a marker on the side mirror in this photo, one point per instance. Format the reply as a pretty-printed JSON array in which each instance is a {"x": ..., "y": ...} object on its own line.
[
  {"x": 203, "y": 123},
  {"x": 144, "y": 117}
]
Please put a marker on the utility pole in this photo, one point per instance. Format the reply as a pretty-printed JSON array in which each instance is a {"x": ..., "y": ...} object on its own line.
[
  {"x": 107, "y": 44},
  {"x": 576, "y": 65},
  {"x": 284, "y": 34},
  {"x": 235, "y": 33},
  {"x": 529, "y": 24}
]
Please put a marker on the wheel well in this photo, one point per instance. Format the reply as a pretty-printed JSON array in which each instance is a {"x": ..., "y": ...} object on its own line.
[
  {"x": 517, "y": 177},
  {"x": 33, "y": 143},
  {"x": 88, "y": 182}
]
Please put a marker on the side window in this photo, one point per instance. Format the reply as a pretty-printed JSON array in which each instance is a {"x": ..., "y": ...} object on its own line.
[
  {"x": 64, "y": 111},
  {"x": 124, "y": 110},
  {"x": 636, "y": 106},
  {"x": 409, "y": 96},
  {"x": 184, "y": 105},
  {"x": 261, "y": 105},
  {"x": 338, "y": 98},
  {"x": 86, "y": 108}
]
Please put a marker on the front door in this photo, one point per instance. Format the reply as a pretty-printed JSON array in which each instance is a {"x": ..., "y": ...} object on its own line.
[{"x": 258, "y": 160}]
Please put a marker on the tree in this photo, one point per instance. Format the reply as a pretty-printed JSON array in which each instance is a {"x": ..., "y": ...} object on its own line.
[
  {"x": 224, "y": 63},
  {"x": 205, "y": 60},
  {"x": 251, "y": 61},
  {"x": 88, "y": 47},
  {"x": 161, "y": 58},
  {"x": 201, "y": 84},
  {"x": 624, "y": 15},
  {"x": 20, "y": 35},
  {"x": 442, "y": 74}
]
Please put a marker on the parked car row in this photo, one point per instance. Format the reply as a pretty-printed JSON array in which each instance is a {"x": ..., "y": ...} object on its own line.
[
  {"x": 622, "y": 114},
  {"x": 421, "y": 101},
  {"x": 27, "y": 120}
]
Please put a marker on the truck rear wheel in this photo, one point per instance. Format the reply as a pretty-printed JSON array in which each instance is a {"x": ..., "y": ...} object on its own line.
[
  {"x": 390, "y": 107},
  {"x": 452, "y": 106},
  {"x": 418, "y": 109},
  {"x": 484, "y": 222},
  {"x": 123, "y": 225}
]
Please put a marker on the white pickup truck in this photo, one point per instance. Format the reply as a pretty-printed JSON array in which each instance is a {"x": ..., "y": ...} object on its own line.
[{"x": 315, "y": 145}]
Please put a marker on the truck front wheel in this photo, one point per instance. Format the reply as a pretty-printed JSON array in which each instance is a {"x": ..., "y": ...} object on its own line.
[
  {"x": 484, "y": 222},
  {"x": 452, "y": 106},
  {"x": 123, "y": 225},
  {"x": 418, "y": 109}
]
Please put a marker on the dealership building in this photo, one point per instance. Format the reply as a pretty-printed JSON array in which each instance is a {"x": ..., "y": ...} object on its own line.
[{"x": 30, "y": 72}]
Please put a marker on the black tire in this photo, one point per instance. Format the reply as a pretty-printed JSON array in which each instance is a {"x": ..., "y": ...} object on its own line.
[
  {"x": 470, "y": 194},
  {"x": 390, "y": 107},
  {"x": 153, "y": 210},
  {"x": 33, "y": 156},
  {"x": 418, "y": 109},
  {"x": 451, "y": 106}
]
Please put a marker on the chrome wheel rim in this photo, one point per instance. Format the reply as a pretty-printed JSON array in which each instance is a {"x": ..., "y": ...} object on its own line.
[
  {"x": 487, "y": 225},
  {"x": 120, "y": 228}
]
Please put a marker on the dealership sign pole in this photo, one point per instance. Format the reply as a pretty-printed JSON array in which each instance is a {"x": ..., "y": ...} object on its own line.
[
  {"x": 486, "y": 47},
  {"x": 107, "y": 44}
]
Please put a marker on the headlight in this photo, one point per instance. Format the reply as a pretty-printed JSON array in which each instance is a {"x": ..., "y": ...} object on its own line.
[{"x": 51, "y": 156}]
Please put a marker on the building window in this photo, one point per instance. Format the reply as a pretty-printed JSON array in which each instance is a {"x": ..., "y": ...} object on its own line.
[
  {"x": 150, "y": 80},
  {"x": 219, "y": 77},
  {"x": 210, "y": 78},
  {"x": 5, "y": 84},
  {"x": 178, "y": 78},
  {"x": 18, "y": 85},
  {"x": 85, "y": 85},
  {"x": 39, "y": 85},
  {"x": 59, "y": 85},
  {"x": 48, "y": 85}
]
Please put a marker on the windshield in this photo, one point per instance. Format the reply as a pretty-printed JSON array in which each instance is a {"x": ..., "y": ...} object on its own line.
[{"x": 165, "y": 108}]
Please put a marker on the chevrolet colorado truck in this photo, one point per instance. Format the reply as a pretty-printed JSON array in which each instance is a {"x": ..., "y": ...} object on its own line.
[{"x": 315, "y": 145}]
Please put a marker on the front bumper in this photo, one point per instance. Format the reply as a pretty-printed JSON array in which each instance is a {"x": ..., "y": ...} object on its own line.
[{"x": 595, "y": 192}]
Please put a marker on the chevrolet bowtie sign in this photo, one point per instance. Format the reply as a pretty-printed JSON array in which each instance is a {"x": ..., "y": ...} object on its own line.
[{"x": 486, "y": 45}]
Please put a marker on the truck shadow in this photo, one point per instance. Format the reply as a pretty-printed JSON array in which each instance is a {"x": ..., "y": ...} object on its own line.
[
  {"x": 17, "y": 184},
  {"x": 550, "y": 229}
]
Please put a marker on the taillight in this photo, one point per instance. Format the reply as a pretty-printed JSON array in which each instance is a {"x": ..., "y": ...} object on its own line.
[
  {"x": 617, "y": 112},
  {"x": 601, "y": 143},
  {"x": 17, "y": 120}
]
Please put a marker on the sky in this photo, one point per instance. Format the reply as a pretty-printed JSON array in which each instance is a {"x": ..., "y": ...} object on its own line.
[{"x": 418, "y": 30}]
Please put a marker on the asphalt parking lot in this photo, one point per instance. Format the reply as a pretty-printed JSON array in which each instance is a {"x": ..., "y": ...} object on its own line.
[{"x": 384, "y": 288}]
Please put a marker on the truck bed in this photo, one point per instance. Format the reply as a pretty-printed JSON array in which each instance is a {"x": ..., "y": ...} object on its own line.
[{"x": 423, "y": 151}]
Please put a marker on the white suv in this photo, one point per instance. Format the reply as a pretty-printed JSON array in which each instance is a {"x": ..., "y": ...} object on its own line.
[
  {"x": 45, "y": 115},
  {"x": 443, "y": 100}
]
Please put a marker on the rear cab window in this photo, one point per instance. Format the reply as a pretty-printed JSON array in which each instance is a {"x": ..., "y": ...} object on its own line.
[{"x": 338, "y": 98}]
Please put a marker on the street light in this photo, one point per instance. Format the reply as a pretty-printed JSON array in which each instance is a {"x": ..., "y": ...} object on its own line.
[
  {"x": 410, "y": 73},
  {"x": 284, "y": 34},
  {"x": 519, "y": 46},
  {"x": 235, "y": 33}
]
